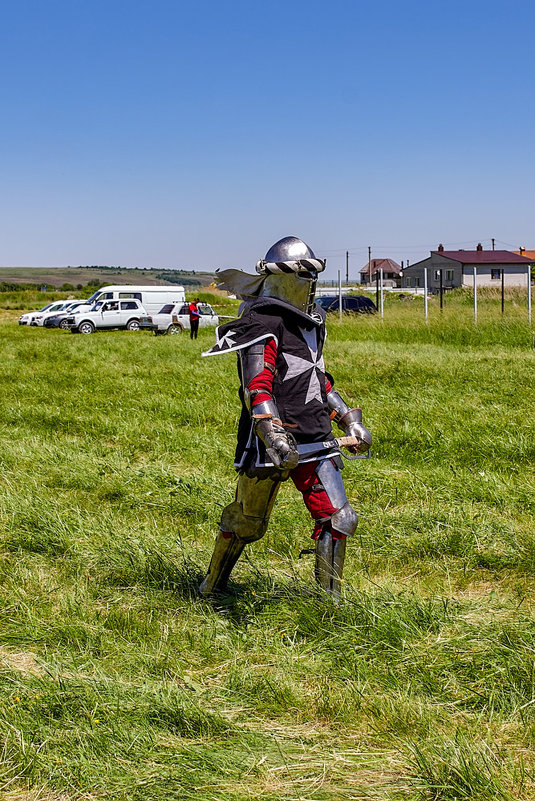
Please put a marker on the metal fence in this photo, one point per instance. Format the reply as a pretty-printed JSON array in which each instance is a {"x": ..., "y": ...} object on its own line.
[{"x": 380, "y": 290}]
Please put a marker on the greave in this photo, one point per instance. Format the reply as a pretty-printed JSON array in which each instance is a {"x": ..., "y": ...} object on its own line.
[
  {"x": 226, "y": 553},
  {"x": 330, "y": 556}
]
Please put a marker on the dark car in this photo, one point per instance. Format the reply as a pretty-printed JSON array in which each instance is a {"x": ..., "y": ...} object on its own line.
[{"x": 350, "y": 303}]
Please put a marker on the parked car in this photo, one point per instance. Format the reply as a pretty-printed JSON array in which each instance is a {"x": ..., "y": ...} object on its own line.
[
  {"x": 58, "y": 319},
  {"x": 42, "y": 317},
  {"x": 111, "y": 314},
  {"x": 173, "y": 318},
  {"x": 350, "y": 303},
  {"x": 29, "y": 317}
]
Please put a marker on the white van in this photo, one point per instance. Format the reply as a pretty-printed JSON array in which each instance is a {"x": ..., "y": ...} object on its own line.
[{"x": 152, "y": 298}]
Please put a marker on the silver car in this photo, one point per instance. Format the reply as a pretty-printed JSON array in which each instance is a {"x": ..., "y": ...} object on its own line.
[{"x": 174, "y": 318}]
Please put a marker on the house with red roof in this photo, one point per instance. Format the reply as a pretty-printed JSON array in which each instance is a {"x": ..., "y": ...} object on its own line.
[
  {"x": 456, "y": 268},
  {"x": 391, "y": 272}
]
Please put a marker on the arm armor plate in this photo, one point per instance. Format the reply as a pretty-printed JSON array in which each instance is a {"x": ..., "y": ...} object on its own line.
[
  {"x": 252, "y": 364},
  {"x": 281, "y": 446}
]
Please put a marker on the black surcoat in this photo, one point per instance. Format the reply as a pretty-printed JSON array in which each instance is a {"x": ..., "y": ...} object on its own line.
[{"x": 299, "y": 379}]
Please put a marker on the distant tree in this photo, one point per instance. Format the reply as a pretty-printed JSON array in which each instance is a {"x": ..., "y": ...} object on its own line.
[{"x": 66, "y": 287}]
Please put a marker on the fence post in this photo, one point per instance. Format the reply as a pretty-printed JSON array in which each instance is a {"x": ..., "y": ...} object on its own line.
[
  {"x": 426, "y": 310},
  {"x": 503, "y": 289},
  {"x": 340, "y": 294},
  {"x": 475, "y": 295},
  {"x": 529, "y": 294},
  {"x": 382, "y": 301},
  {"x": 377, "y": 288}
]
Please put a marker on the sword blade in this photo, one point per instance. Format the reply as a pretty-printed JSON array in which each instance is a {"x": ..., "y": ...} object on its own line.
[{"x": 326, "y": 445}]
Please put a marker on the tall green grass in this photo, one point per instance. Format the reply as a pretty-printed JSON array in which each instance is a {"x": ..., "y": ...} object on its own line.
[{"x": 118, "y": 682}]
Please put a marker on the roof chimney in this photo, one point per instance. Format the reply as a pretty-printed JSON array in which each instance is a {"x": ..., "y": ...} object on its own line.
[
  {"x": 522, "y": 250},
  {"x": 479, "y": 247},
  {"x": 441, "y": 248}
]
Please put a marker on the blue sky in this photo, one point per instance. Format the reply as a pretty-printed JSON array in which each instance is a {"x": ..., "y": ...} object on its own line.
[{"x": 195, "y": 134}]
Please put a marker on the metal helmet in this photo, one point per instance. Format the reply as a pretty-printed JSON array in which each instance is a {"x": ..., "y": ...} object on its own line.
[
  {"x": 289, "y": 248},
  {"x": 291, "y": 271}
]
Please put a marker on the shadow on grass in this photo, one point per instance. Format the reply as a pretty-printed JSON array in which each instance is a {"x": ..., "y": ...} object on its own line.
[{"x": 155, "y": 569}]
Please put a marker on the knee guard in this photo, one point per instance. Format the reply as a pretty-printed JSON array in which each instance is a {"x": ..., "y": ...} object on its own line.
[
  {"x": 236, "y": 530},
  {"x": 248, "y": 516},
  {"x": 345, "y": 520},
  {"x": 245, "y": 527}
]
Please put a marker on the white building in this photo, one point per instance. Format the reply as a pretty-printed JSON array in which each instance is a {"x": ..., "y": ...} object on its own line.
[{"x": 457, "y": 269}]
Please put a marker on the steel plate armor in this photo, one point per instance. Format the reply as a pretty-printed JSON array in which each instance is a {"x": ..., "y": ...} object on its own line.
[{"x": 288, "y": 402}]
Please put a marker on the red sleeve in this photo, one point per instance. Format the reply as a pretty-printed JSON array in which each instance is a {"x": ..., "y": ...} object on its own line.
[
  {"x": 263, "y": 382},
  {"x": 328, "y": 385}
]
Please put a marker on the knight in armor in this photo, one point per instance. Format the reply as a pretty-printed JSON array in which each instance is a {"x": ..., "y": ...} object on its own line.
[{"x": 288, "y": 404}]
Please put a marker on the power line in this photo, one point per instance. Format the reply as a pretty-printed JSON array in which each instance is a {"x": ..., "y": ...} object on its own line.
[{"x": 405, "y": 248}]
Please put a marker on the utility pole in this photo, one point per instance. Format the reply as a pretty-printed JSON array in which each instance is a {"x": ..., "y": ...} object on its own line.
[
  {"x": 347, "y": 266},
  {"x": 493, "y": 243},
  {"x": 369, "y": 265}
]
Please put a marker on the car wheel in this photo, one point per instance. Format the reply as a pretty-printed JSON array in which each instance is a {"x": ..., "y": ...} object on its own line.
[
  {"x": 174, "y": 328},
  {"x": 86, "y": 327},
  {"x": 133, "y": 325},
  {"x": 64, "y": 324}
]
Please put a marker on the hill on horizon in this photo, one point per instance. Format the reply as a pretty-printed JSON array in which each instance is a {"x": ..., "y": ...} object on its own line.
[{"x": 57, "y": 276}]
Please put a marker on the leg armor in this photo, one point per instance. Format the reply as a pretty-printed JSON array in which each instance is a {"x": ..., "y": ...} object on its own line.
[
  {"x": 244, "y": 520},
  {"x": 325, "y": 497},
  {"x": 330, "y": 556}
]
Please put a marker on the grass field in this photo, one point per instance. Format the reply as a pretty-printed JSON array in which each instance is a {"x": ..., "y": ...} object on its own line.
[{"x": 117, "y": 682}]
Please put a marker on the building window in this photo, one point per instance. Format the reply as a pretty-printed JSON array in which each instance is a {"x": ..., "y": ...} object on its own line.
[
  {"x": 437, "y": 275},
  {"x": 408, "y": 281},
  {"x": 449, "y": 275},
  {"x": 495, "y": 274}
]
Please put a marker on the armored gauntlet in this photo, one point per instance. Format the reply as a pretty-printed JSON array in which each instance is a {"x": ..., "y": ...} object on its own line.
[
  {"x": 281, "y": 447},
  {"x": 350, "y": 421}
]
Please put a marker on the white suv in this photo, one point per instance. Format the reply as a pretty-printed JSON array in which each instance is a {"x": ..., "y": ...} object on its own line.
[
  {"x": 110, "y": 314},
  {"x": 174, "y": 318}
]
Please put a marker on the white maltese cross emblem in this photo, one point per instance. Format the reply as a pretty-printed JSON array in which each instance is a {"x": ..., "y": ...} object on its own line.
[
  {"x": 226, "y": 341},
  {"x": 297, "y": 366}
]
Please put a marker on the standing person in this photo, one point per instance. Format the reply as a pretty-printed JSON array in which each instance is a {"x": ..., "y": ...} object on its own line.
[
  {"x": 194, "y": 315},
  {"x": 288, "y": 402}
]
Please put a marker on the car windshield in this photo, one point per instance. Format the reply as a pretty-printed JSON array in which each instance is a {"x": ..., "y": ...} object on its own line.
[
  {"x": 167, "y": 309},
  {"x": 94, "y": 296},
  {"x": 325, "y": 301},
  {"x": 48, "y": 305}
]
